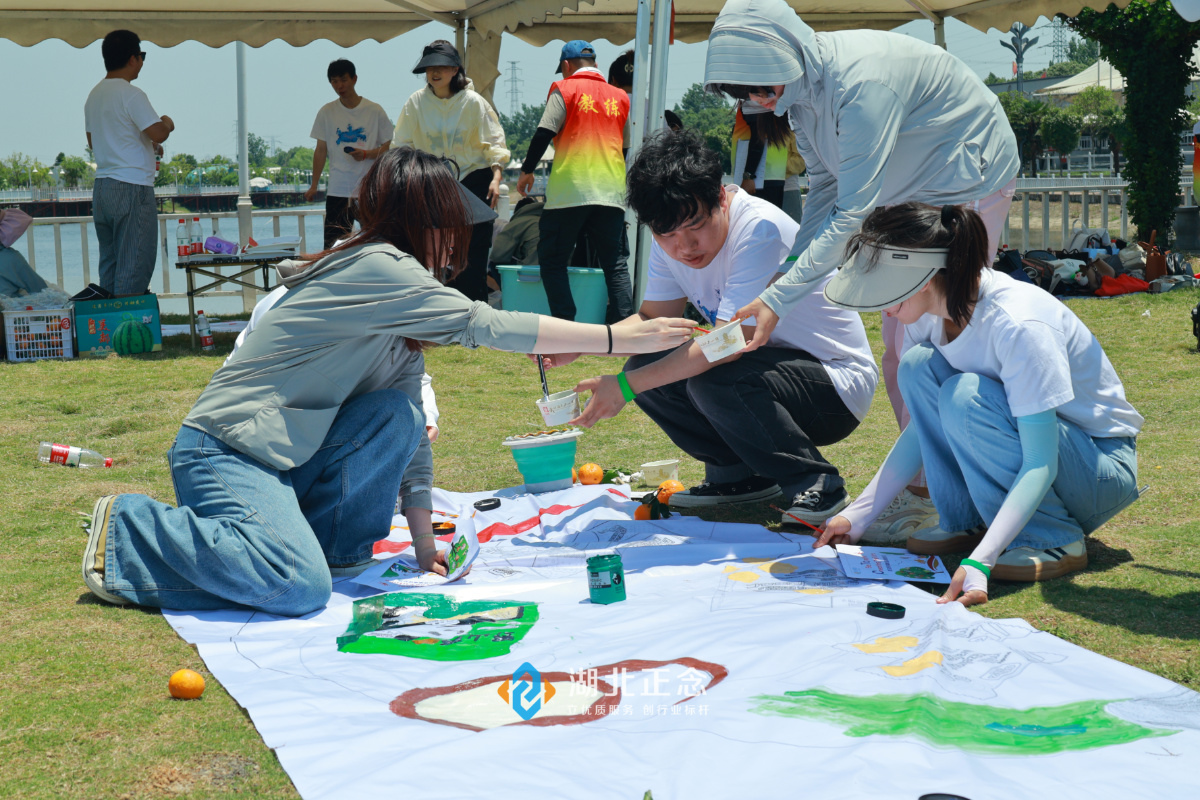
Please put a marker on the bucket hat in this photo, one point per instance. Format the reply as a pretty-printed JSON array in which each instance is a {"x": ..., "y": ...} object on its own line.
[
  {"x": 437, "y": 54},
  {"x": 880, "y": 277}
]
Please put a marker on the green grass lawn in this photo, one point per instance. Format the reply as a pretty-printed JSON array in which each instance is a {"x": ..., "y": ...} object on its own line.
[{"x": 84, "y": 711}]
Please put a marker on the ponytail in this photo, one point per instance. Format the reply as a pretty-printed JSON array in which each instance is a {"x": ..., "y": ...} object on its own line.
[{"x": 967, "y": 243}]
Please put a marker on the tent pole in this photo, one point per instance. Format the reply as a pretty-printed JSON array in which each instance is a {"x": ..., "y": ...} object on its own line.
[
  {"x": 245, "y": 223},
  {"x": 639, "y": 240},
  {"x": 655, "y": 122},
  {"x": 460, "y": 40},
  {"x": 939, "y": 32}
]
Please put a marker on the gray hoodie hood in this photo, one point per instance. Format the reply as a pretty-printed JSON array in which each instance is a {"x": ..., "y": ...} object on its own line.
[{"x": 761, "y": 43}]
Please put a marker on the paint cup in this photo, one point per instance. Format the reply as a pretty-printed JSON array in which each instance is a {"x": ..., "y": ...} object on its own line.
[
  {"x": 655, "y": 472},
  {"x": 606, "y": 578},
  {"x": 559, "y": 408},
  {"x": 723, "y": 341},
  {"x": 545, "y": 459}
]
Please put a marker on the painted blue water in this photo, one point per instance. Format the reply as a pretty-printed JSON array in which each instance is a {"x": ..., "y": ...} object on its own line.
[{"x": 72, "y": 256}]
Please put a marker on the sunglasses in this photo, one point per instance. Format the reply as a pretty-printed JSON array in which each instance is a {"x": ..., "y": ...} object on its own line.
[{"x": 141, "y": 55}]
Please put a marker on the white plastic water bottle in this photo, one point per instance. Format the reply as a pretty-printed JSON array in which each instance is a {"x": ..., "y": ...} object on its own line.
[
  {"x": 202, "y": 327},
  {"x": 183, "y": 239},
  {"x": 196, "y": 234},
  {"x": 49, "y": 453}
]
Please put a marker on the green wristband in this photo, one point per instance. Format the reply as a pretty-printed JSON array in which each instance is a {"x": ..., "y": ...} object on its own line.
[
  {"x": 970, "y": 562},
  {"x": 626, "y": 392}
]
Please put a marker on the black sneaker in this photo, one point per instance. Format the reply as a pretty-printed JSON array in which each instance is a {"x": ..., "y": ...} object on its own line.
[
  {"x": 753, "y": 488},
  {"x": 815, "y": 507},
  {"x": 93, "y": 292}
]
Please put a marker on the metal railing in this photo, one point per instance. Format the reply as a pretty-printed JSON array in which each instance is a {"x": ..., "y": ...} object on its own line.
[
  {"x": 168, "y": 257},
  {"x": 49, "y": 193}
]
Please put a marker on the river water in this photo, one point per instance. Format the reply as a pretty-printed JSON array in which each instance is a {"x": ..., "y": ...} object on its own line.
[{"x": 73, "y": 258}]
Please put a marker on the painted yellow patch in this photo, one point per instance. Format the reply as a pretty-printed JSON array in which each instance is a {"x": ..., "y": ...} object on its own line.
[
  {"x": 755, "y": 560},
  {"x": 732, "y": 567},
  {"x": 743, "y": 577},
  {"x": 915, "y": 665},
  {"x": 778, "y": 568},
  {"x": 815, "y": 591},
  {"x": 889, "y": 644}
]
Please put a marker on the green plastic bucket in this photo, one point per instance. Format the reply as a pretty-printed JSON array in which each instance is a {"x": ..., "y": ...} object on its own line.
[
  {"x": 545, "y": 461},
  {"x": 523, "y": 291}
]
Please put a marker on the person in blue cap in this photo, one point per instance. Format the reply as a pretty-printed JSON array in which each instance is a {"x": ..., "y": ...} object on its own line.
[{"x": 585, "y": 118}]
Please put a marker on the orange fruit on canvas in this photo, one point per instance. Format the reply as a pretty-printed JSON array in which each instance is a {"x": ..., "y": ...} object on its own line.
[
  {"x": 186, "y": 684},
  {"x": 642, "y": 512},
  {"x": 668, "y": 488},
  {"x": 590, "y": 474}
]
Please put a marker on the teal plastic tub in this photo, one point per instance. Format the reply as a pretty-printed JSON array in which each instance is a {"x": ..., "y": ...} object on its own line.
[
  {"x": 523, "y": 291},
  {"x": 545, "y": 461}
]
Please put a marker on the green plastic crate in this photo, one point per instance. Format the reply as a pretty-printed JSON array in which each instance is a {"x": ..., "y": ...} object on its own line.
[{"x": 523, "y": 291}]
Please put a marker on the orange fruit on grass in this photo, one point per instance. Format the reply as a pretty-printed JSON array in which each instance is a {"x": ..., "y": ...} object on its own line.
[
  {"x": 186, "y": 684},
  {"x": 590, "y": 474},
  {"x": 574, "y": 475},
  {"x": 668, "y": 488},
  {"x": 642, "y": 511}
]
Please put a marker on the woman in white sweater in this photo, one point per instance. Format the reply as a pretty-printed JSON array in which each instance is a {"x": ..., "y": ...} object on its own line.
[{"x": 448, "y": 118}]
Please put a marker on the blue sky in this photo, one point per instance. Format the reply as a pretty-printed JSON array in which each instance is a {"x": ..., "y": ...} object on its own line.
[{"x": 196, "y": 84}]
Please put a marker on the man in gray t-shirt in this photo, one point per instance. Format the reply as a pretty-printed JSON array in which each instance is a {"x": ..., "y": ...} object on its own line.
[{"x": 124, "y": 133}]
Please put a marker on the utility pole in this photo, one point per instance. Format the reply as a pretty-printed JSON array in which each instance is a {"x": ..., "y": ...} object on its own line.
[
  {"x": 1059, "y": 43},
  {"x": 1019, "y": 46},
  {"x": 514, "y": 88}
]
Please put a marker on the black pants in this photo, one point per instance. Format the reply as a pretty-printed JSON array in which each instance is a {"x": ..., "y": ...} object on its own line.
[
  {"x": 558, "y": 230},
  {"x": 339, "y": 218},
  {"x": 472, "y": 281},
  {"x": 763, "y": 414}
]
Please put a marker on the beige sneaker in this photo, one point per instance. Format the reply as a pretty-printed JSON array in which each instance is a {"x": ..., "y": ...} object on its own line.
[
  {"x": 1027, "y": 564},
  {"x": 904, "y": 515},
  {"x": 93, "y": 554},
  {"x": 933, "y": 541}
]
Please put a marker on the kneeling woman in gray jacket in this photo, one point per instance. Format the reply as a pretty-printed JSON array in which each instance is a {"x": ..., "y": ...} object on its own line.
[{"x": 289, "y": 464}]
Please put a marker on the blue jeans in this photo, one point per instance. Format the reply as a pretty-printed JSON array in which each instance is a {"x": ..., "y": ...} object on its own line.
[
  {"x": 972, "y": 454},
  {"x": 246, "y": 534}
]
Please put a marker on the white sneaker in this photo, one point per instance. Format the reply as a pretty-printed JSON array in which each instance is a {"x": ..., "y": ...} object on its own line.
[
  {"x": 1028, "y": 564},
  {"x": 905, "y": 514},
  {"x": 933, "y": 541}
]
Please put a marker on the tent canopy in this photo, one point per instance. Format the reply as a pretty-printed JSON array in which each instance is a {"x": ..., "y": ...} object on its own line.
[{"x": 1100, "y": 73}]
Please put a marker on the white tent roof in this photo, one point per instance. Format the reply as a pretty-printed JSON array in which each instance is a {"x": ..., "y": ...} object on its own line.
[
  {"x": 1100, "y": 73},
  {"x": 256, "y": 22}
]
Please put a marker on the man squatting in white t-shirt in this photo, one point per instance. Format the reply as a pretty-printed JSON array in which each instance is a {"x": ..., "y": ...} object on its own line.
[
  {"x": 351, "y": 132},
  {"x": 755, "y": 419},
  {"x": 124, "y": 133}
]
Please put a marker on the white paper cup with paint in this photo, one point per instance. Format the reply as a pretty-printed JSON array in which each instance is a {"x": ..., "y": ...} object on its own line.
[
  {"x": 655, "y": 472},
  {"x": 559, "y": 408},
  {"x": 723, "y": 341}
]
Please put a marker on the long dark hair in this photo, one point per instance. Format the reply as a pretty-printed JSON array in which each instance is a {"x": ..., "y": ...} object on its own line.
[
  {"x": 405, "y": 194},
  {"x": 771, "y": 129},
  {"x": 918, "y": 225}
]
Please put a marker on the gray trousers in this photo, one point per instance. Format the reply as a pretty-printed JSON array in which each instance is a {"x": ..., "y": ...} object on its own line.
[{"x": 126, "y": 219}]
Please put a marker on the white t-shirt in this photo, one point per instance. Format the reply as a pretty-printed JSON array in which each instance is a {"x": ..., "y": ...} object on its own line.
[
  {"x": 117, "y": 114},
  {"x": 1038, "y": 349},
  {"x": 760, "y": 237},
  {"x": 364, "y": 127}
]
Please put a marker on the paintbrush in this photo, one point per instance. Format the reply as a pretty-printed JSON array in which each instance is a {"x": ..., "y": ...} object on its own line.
[
  {"x": 793, "y": 516},
  {"x": 542, "y": 370}
]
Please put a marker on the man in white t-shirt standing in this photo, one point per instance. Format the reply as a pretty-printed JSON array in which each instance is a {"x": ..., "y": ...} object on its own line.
[
  {"x": 351, "y": 132},
  {"x": 755, "y": 419},
  {"x": 124, "y": 132}
]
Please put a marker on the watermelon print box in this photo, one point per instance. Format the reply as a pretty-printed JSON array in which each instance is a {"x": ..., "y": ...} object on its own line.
[{"x": 123, "y": 325}]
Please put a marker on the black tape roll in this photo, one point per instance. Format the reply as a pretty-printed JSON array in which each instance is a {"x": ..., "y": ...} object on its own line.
[
  {"x": 885, "y": 610},
  {"x": 487, "y": 503}
]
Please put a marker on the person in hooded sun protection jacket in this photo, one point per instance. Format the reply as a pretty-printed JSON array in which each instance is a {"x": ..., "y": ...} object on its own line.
[{"x": 880, "y": 119}]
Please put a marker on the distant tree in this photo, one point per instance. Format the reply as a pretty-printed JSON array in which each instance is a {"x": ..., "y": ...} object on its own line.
[
  {"x": 520, "y": 127},
  {"x": 59, "y": 159},
  {"x": 256, "y": 152},
  {"x": 1065, "y": 69},
  {"x": 1152, "y": 47},
  {"x": 1059, "y": 130},
  {"x": 75, "y": 171},
  {"x": 1085, "y": 51},
  {"x": 1025, "y": 118},
  {"x": 711, "y": 116},
  {"x": 1093, "y": 106}
]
